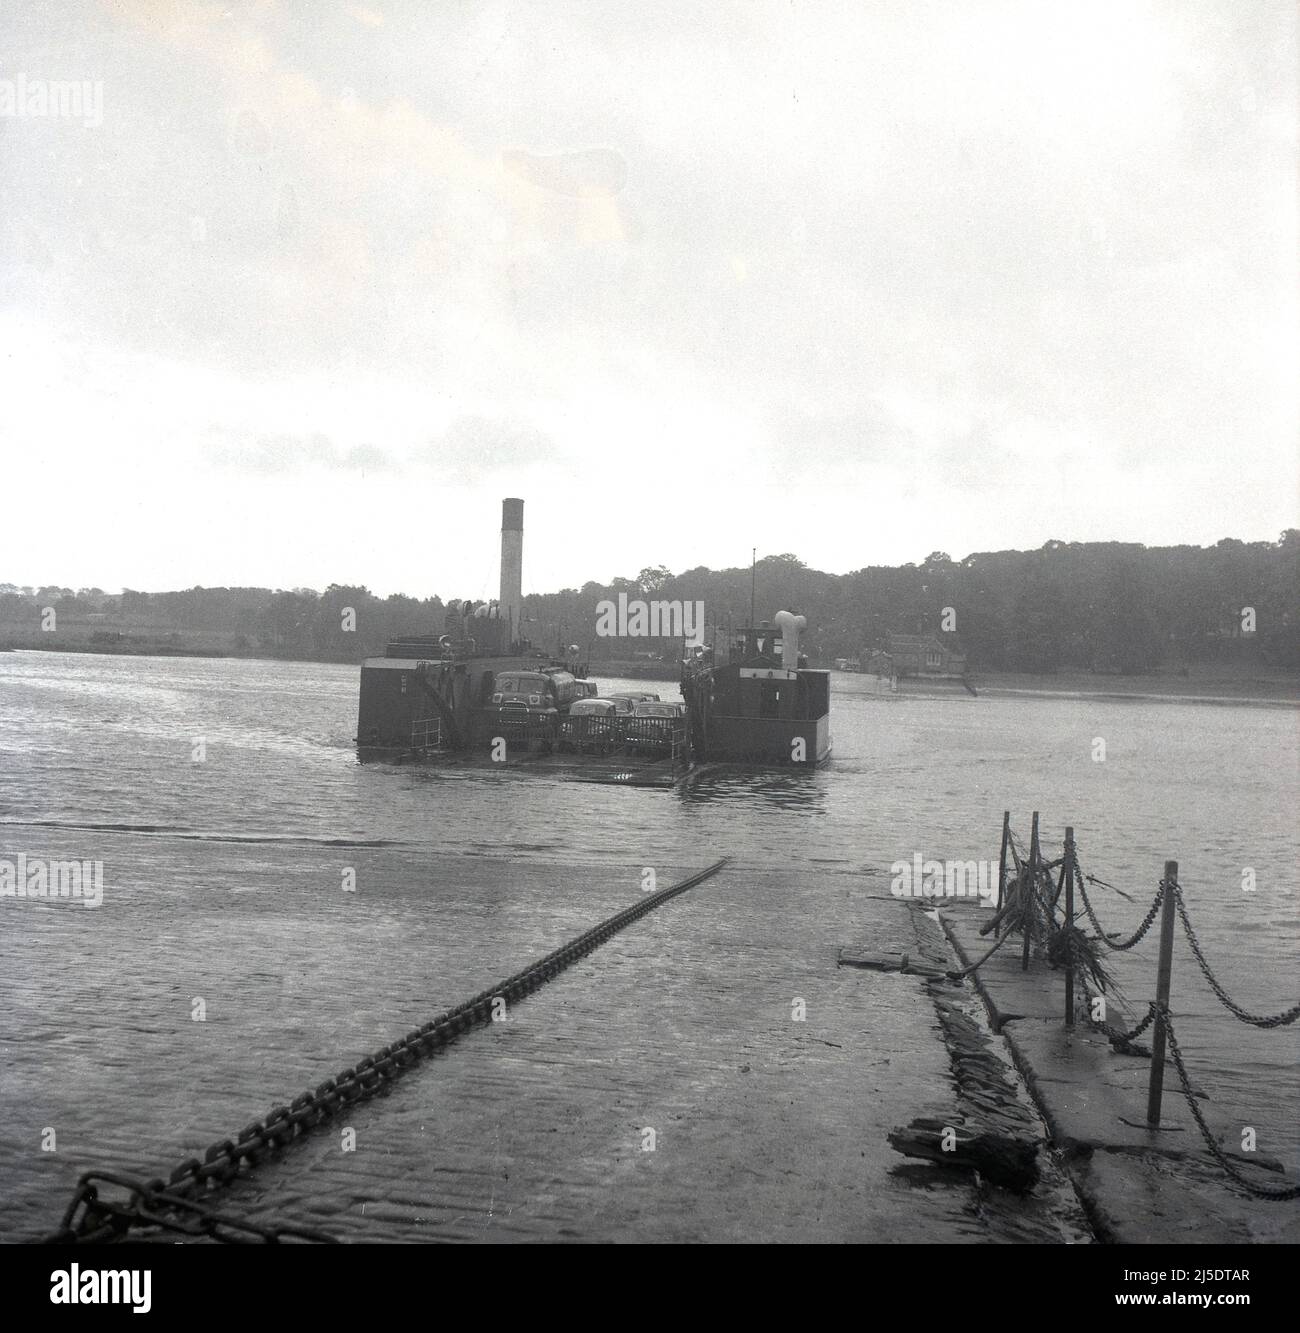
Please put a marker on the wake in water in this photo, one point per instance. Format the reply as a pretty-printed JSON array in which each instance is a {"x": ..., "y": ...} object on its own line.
[{"x": 204, "y": 835}]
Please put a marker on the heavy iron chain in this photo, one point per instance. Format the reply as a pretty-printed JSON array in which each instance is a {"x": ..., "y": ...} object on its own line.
[
  {"x": 1133, "y": 939},
  {"x": 90, "y": 1218},
  {"x": 1121, "y": 1041},
  {"x": 147, "y": 1206},
  {"x": 1282, "y": 1019},
  {"x": 1256, "y": 1020},
  {"x": 1048, "y": 909},
  {"x": 1124, "y": 1042},
  {"x": 1290, "y": 1192}
]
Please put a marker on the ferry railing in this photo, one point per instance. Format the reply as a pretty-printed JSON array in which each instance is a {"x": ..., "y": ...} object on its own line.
[
  {"x": 520, "y": 729},
  {"x": 590, "y": 733},
  {"x": 649, "y": 733},
  {"x": 681, "y": 754},
  {"x": 586, "y": 733},
  {"x": 606, "y": 732},
  {"x": 426, "y": 733}
]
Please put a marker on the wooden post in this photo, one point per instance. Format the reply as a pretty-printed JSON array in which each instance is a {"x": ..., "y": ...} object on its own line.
[
  {"x": 1156, "y": 1087},
  {"x": 1060, "y": 879},
  {"x": 1067, "y": 869},
  {"x": 1002, "y": 855},
  {"x": 1029, "y": 878}
]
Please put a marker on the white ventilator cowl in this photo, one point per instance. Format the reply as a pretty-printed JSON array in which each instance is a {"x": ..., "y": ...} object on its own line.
[{"x": 790, "y": 625}]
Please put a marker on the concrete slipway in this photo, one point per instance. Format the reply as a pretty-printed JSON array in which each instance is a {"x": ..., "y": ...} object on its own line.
[{"x": 724, "y": 1022}]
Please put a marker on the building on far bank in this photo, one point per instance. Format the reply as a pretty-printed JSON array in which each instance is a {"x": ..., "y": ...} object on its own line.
[{"x": 933, "y": 655}]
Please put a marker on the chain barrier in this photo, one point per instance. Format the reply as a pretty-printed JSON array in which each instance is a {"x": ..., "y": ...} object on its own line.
[
  {"x": 1124, "y": 1042},
  {"x": 1255, "y": 1020},
  {"x": 90, "y": 1218},
  {"x": 1152, "y": 912},
  {"x": 1290, "y": 1192}
]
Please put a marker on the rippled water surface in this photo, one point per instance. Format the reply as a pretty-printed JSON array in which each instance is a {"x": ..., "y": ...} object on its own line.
[{"x": 248, "y": 847}]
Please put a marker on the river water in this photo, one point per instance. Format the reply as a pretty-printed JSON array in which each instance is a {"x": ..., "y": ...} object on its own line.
[{"x": 223, "y": 875}]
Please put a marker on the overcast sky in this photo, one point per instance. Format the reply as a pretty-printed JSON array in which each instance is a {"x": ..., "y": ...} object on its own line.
[{"x": 857, "y": 281}]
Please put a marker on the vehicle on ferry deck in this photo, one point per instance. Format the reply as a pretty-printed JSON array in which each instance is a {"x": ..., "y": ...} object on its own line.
[
  {"x": 536, "y": 691},
  {"x": 635, "y": 696},
  {"x": 590, "y": 726},
  {"x": 565, "y": 686},
  {"x": 526, "y": 704},
  {"x": 652, "y": 724}
]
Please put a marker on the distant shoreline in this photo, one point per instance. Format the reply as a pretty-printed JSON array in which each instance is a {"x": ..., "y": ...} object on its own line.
[
  {"x": 662, "y": 671},
  {"x": 1211, "y": 684},
  {"x": 1207, "y": 684},
  {"x": 145, "y": 649}
]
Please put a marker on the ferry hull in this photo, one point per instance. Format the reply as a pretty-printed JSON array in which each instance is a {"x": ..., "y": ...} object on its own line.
[{"x": 785, "y": 742}]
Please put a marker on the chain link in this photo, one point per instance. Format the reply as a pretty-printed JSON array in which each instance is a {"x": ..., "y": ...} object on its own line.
[
  {"x": 88, "y": 1218},
  {"x": 1152, "y": 912},
  {"x": 148, "y": 1205},
  {"x": 1122, "y": 1041},
  {"x": 1255, "y": 1020}
]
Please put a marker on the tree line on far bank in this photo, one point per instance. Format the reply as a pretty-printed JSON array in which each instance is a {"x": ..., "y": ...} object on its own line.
[{"x": 1101, "y": 606}]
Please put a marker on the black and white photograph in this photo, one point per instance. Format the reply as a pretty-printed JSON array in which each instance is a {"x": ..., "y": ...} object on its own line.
[{"x": 650, "y": 623}]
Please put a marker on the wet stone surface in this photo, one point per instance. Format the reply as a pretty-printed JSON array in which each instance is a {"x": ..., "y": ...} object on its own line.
[
  {"x": 768, "y": 1075},
  {"x": 1137, "y": 1185}
]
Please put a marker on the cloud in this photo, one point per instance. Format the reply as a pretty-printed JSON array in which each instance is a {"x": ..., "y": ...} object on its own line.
[
  {"x": 977, "y": 460},
  {"x": 477, "y": 448},
  {"x": 273, "y": 455},
  {"x": 527, "y": 246},
  {"x": 862, "y": 435},
  {"x": 593, "y": 172}
]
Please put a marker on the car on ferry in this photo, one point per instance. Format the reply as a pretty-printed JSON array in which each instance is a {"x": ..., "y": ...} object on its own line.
[
  {"x": 627, "y": 698},
  {"x": 529, "y": 704},
  {"x": 591, "y": 726},
  {"x": 536, "y": 691},
  {"x": 565, "y": 686},
  {"x": 652, "y": 725}
]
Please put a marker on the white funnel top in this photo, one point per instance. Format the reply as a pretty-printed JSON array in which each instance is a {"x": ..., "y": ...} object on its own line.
[{"x": 790, "y": 626}]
